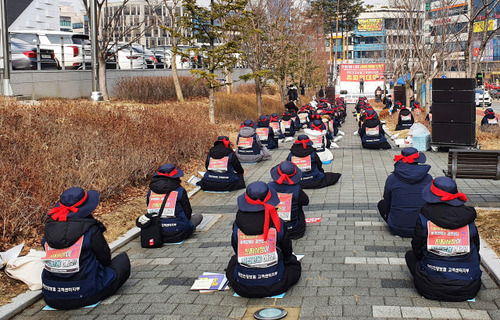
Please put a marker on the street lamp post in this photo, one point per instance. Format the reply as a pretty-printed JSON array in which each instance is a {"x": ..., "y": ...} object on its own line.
[
  {"x": 96, "y": 94},
  {"x": 7, "y": 89}
]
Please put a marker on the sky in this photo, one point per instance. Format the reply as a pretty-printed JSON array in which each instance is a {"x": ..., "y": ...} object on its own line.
[{"x": 78, "y": 3}]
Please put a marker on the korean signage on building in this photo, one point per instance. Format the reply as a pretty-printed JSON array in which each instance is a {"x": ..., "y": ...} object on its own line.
[
  {"x": 369, "y": 72},
  {"x": 370, "y": 25},
  {"x": 479, "y": 25}
]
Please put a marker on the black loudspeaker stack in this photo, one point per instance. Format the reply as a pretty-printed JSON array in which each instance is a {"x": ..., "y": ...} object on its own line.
[{"x": 454, "y": 112}]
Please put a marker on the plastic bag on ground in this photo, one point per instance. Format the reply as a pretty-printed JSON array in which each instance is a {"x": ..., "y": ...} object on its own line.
[{"x": 418, "y": 129}]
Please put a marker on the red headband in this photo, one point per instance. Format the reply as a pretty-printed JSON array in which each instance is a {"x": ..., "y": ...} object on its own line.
[
  {"x": 303, "y": 142},
  {"x": 225, "y": 141},
  {"x": 446, "y": 196},
  {"x": 489, "y": 112},
  {"x": 370, "y": 116},
  {"x": 284, "y": 176},
  {"x": 270, "y": 210},
  {"x": 407, "y": 159},
  {"x": 171, "y": 174},
  {"x": 275, "y": 118},
  {"x": 61, "y": 213},
  {"x": 315, "y": 127}
]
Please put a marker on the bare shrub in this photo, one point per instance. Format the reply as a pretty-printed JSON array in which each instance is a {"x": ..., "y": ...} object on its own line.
[
  {"x": 158, "y": 89},
  {"x": 250, "y": 88},
  {"x": 243, "y": 106},
  {"x": 60, "y": 144}
]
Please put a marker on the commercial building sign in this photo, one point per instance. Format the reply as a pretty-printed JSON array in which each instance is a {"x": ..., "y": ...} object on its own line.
[
  {"x": 370, "y": 24},
  {"x": 487, "y": 53},
  {"x": 369, "y": 72},
  {"x": 479, "y": 25}
]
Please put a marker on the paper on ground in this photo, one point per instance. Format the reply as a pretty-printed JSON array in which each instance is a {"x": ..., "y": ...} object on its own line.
[{"x": 10, "y": 254}]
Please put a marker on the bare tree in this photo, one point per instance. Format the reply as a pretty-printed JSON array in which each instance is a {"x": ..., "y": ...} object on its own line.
[
  {"x": 112, "y": 28},
  {"x": 171, "y": 23}
]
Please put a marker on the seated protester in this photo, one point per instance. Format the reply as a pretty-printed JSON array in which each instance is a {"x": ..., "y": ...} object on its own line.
[
  {"x": 319, "y": 135},
  {"x": 397, "y": 106},
  {"x": 450, "y": 271},
  {"x": 275, "y": 124},
  {"x": 90, "y": 276},
  {"x": 265, "y": 133},
  {"x": 286, "y": 177},
  {"x": 302, "y": 117},
  {"x": 428, "y": 117},
  {"x": 405, "y": 119},
  {"x": 257, "y": 225},
  {"x": 415, "y": 106},
  {"x": 402, "y": 200},
  {"x": 287, "y": 125},
  {"x": 224, "y": 170},
  {"x": 177, "y": 221},
  {"x": 489, "y": 119},
  {"x": 371, "y": 132},
  {"x": 388, "y": 102},
  {"x": 303, "y": 155},
  {"x": 291, "y": 106},
  {"x": 250, "y": 149}
]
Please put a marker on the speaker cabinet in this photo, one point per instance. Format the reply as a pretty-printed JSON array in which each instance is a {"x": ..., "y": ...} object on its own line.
[
  {"x": 453, "y": 96},
  {"x": 454, "y": 112},
  {"x": 454, "y": 133},
  {"x": 454, "y": 84},
  {"x": 400, "y": 94}
]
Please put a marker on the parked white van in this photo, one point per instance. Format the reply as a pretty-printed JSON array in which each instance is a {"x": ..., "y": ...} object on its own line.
[{"x": 68, "y": 47}]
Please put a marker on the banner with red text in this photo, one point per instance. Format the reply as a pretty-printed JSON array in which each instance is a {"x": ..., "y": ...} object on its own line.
[{"x": 369, "y": 72}]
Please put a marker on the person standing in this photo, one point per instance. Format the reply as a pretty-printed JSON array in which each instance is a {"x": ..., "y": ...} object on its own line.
[{"x": 361, "y": 85}]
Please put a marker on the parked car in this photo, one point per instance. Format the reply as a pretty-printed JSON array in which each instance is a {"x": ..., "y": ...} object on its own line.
[
  {"x": 163, "y": 56},
  {"x": 24, "y": 56},
  {"x": 483, "y": 98},
  {"x": 152, "y": 60},
  {"x": 494, "y": 94},
  {"x": 68, "y": 47},
  {"x": 128, "y": 56}
]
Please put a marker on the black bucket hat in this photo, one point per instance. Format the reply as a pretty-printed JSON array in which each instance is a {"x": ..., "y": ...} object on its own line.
[
  {"x": 75, "y": 203},
  {"x": 443, "y": 189},
  {"x": 286, "y": 173}
]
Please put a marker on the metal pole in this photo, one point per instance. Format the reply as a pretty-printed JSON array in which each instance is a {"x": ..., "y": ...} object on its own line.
[
  {"x": 7, "y": 89},
  {"x": 96, "y": 94}
]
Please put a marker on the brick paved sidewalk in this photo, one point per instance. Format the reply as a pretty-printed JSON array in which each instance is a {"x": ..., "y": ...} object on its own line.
[{"x": 353, "y": 267}]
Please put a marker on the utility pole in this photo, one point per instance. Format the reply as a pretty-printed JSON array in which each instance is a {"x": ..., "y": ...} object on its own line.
[
  {"x": 7, "y": 89},
  {"x": 96, "y": 94}
]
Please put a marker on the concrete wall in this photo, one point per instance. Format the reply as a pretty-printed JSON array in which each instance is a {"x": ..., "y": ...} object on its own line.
[{"x": 74, "y": 84}]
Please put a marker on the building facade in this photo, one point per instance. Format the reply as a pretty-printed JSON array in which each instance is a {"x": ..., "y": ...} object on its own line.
[{"x": 33, "y": 15}]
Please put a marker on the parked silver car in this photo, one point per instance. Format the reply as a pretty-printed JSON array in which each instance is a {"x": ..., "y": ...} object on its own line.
[{"x": 25, "y": 57}]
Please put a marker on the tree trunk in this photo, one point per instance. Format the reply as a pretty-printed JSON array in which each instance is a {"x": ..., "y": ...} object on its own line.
[
  {"x": 258, "y": 94},
  {"x": 428, "y": 94},
  {"x": 175, "y": 77},
  {"x": 211, "y": 105},
  {"x": 103, "y": 86},
  {"x": 228, "y": 86},
  {"x": 407, "y": 94}
]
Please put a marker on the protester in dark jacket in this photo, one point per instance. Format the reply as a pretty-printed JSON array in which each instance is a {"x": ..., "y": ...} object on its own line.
[
  {"x": 266, "y": 133},
  {"x": 371, "y": 132},
  {"x": 304, "y": 156},
  {"x": 489, "y": 119},
  {"x": 405, "y": 119},
  {"x": 275, "y": 124},
  {"x": 445, "y": 258},
  {"x": 286, "y": 177},
  {"x": 402, "y": 200},
  {"x": 79, "y": 270},
  {"x": 258, "y": 226},
  {"x": 177, "y": 219},
  {"x": 287, "y": 125},
  {"x": 224, "y": 170}
]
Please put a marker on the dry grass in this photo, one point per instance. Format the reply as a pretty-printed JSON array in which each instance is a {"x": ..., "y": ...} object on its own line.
[
  {"x": 488, "y": 224},
  {"x": 111, "y": 147},
  {"x": 159, "y": 89}
]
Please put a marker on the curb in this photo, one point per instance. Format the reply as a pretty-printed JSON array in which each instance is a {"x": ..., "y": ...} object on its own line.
[
  {"x": 29, "y": 297},
  {"x": 490, "y": 260}
]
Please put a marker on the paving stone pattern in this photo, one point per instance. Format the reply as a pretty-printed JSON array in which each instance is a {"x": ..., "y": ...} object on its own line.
[{"x": 353, "y": 267}]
